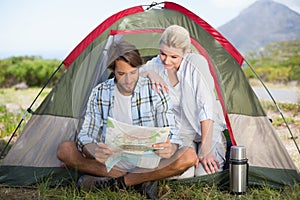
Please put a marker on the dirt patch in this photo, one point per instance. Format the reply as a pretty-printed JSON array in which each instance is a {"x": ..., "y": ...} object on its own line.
[{"x": 19, "y": 193}]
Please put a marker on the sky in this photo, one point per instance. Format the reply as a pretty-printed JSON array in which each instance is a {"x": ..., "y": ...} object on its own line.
[{"x": 53, "y": 28}]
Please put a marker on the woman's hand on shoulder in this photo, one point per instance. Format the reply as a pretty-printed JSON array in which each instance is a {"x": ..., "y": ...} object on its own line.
[{"x": 157, "y": 82}]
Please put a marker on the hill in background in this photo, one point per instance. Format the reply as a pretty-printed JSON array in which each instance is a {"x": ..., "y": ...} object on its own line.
[{"x": 262, "y": 23}]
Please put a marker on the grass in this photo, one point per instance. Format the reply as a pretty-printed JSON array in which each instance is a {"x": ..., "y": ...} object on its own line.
[
  {"x": 166, "y": 191},
  {"x": 8, "y": 120},
  {"x": 11, "y": 115},
  {"x": 290, "y": 109},
  {"x": 294, "y": 109},
  {"x": 13, "y": 105},
  {"x": 21, "y": 97}
]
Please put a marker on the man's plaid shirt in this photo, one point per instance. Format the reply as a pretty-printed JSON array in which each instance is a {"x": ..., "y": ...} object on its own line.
[{"x": 147, "y": 106}]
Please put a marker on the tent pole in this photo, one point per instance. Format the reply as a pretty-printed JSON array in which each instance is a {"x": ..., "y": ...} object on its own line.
[
  {"x": 29, "y": 109},
  {"x": 277, "y": 106}
]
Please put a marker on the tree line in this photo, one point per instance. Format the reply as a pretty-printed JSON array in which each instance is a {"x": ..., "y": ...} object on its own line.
[
  {"x": 276, "y": 62},
  {"x": 32, "y": 70}
]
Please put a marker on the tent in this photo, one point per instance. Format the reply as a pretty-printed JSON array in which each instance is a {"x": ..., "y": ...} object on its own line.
[{"x": 32, "y": 158}]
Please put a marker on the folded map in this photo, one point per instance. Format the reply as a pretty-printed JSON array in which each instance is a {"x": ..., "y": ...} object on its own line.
[{"x": 133, "y": 144}]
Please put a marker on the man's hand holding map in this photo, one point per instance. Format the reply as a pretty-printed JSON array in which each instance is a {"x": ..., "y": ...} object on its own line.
[{"x": 134, "y": 144}]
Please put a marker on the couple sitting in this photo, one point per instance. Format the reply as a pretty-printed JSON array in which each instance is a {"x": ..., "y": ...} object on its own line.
[{"x": 183, "y": 100}]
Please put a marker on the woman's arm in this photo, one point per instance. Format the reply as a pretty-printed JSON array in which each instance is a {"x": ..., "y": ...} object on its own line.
[
  {"x": 156, "y": 80},
  {"x": 204, "y": 88},
  {"x": 206, "y": 155},
  {"x": 151, "y": 70}
]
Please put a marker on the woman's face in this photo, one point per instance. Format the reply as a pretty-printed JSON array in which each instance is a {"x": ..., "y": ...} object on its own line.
[{"x": 170, "y": 59}]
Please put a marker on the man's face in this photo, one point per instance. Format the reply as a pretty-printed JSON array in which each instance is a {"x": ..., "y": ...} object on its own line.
[{"x": 126, "y": 77}]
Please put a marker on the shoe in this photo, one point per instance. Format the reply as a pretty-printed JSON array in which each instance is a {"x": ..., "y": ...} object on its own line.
[
  {"x": 92, "y": 183},
  {"x": 149, "y": 189}
]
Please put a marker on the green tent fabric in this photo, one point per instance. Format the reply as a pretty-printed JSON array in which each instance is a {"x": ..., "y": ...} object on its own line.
[{"x": 32, "y": 158}]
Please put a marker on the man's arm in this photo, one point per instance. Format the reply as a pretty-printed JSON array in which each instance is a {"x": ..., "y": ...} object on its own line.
[
  {"x": 166, "y": 118},
  {"x": 91, "y": 127}
]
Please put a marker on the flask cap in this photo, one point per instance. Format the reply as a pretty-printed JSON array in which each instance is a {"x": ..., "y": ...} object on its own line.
[{"x": 238, "y": 152}]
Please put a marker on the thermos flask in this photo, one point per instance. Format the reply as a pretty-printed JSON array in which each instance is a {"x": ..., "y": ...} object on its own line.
[{"x": 238, "y": 170}]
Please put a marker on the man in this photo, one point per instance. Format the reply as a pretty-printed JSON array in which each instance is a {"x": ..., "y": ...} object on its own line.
[{"x": 128, "y": 98}]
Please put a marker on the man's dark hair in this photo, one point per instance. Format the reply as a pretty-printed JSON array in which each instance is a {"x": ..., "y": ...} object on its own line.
[{"x": 122, "y": 50}]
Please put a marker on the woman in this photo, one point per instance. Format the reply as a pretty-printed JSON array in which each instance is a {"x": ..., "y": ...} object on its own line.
[{"x": 197, "y": 112}]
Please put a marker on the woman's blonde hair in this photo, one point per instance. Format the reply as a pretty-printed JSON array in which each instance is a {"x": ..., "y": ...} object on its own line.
[{"x": 176, "y": 37}]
